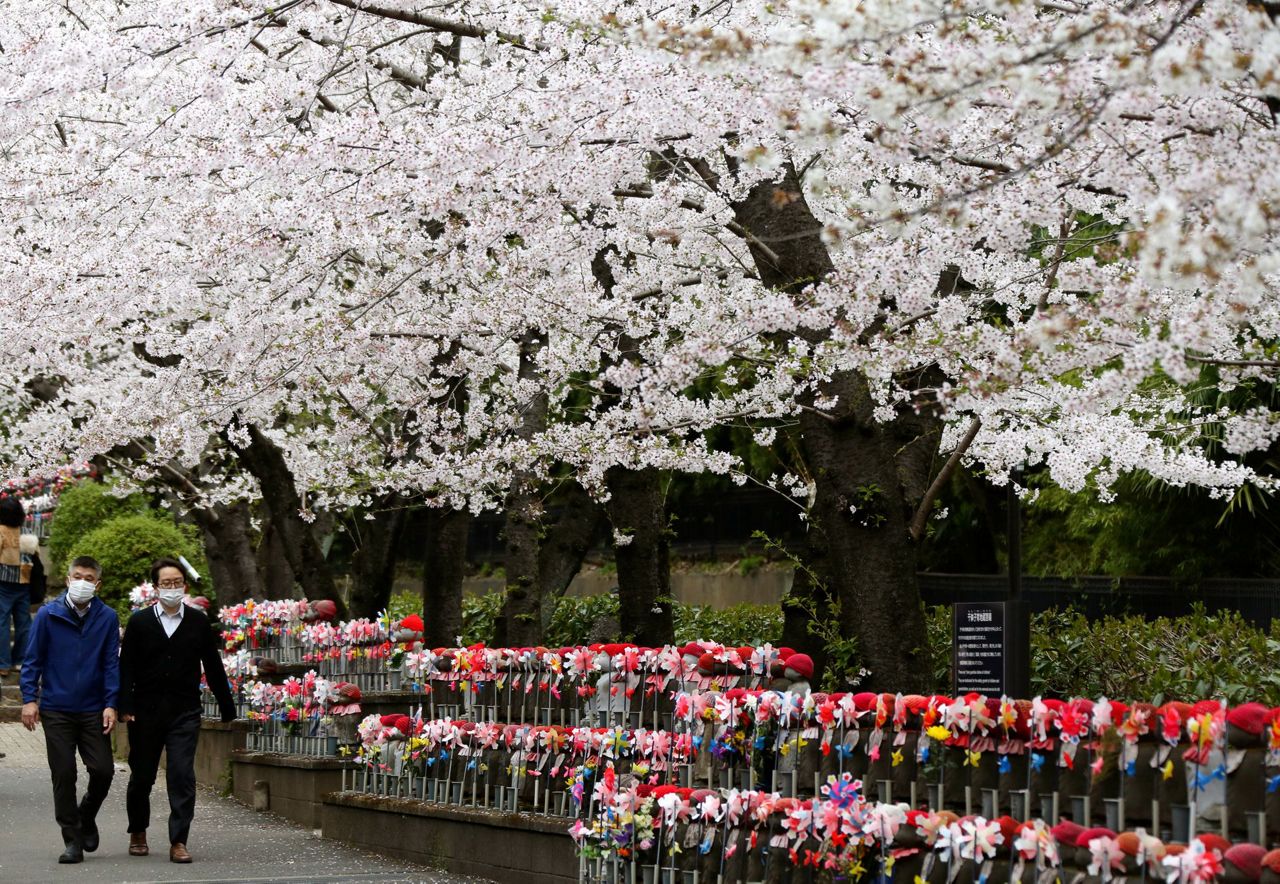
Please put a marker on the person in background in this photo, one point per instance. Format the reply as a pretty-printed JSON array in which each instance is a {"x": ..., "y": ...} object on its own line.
[
  {"x": 161, "y": 655},
  {"x": 70, "y": 685},
  {"x": 18, "y": 558}
]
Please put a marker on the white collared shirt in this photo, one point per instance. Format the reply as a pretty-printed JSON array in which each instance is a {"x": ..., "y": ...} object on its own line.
[
  {"x": 170, "y": 622},
  {"x": 79, "y": 612}
]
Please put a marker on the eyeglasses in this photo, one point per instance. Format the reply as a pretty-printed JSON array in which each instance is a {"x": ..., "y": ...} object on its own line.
[{"x": 171, "y": 584}]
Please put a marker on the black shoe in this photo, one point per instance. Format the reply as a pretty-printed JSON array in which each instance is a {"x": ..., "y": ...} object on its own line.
[
  {"x": 89, "y": 835},
  {"x": 73, "y": 854}
]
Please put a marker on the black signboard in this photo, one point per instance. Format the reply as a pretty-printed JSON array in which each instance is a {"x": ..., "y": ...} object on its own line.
[{"x": 989, "y": 653}]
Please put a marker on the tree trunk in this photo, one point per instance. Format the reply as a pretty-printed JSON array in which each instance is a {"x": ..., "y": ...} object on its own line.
[
  {"x": 228, "y": 545},
  {"x": 520, "y": 623},
  {"x": 867, "y": 474},
  {"x": 298, "y": 544},
  {"x": 637, "y": 509},
  {"x": 565, "y": 544},
  {"x": 374, "y": 561},
  {"x": 864, "y": 551},
  {"x": 277, "y": 577},
  {"x": 444, "y": 567}
]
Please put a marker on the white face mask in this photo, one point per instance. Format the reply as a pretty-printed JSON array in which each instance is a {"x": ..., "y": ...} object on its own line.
[
  {"x": 80, "y": 591},
  {"x": 171, "y": 597}
]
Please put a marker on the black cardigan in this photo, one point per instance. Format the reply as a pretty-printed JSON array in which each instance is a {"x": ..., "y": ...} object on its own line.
[{"x": 160, "y": 674}]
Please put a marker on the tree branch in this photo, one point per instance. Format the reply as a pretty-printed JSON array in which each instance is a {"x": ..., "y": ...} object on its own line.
[
  {"x": 434, "y": 23},
  {"x": 940, "y": 480},
  {"x": 1236, "y": 363}
]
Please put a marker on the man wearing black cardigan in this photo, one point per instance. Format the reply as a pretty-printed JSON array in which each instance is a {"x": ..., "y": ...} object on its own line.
[{"x": 161, "y": 654}]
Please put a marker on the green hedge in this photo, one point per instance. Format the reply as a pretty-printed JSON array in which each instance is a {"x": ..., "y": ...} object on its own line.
[
  {"x": 574, "y": 617},
  {"x": 82, "y": 507},
  {"x": 127, "y": 545}
]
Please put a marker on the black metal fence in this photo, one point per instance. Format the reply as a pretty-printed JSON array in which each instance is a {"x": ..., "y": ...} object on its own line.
[{"x": 1257, "y": 600}]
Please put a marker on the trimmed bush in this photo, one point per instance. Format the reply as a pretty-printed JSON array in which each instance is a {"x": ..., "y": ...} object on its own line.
[
  {"x": 127, "y": 545},
  {"x": 743, "y": 624},
  {"x": 575, "y": 617},
  {"x": 82, "y": 508}
]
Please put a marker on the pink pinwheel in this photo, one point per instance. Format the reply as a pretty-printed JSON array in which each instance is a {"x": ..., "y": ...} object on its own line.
[
  {"x": 1105, "y": 857},
  {"x": 769, "y": 706},
  {"x": 711, "y": 809},
  {"x": 726, "y": 710},
  {"x": 882, "y": 822},
  {"x": 1102, "y": 716},
  {"x": 829, "y": 817},
  {"x": 761, "y": 657},
  {"x": 956, "y": 717},
  {"x": 737, "y": 803},
  {"x": 673, "y": 808},
  {"x": 798, "y": 821},
  {"x": 1195, "y": 864},
  {"x": 948, "y": 840},
  {"x": 979, "y": 839},
  {"x": 929, "y": 826}
]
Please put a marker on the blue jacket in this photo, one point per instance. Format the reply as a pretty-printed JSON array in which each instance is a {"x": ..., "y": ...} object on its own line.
[{"x": 72, "y": 663}]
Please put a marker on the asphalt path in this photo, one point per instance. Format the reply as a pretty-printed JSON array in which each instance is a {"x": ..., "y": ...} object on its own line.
[{"x": 229, "y": 842}]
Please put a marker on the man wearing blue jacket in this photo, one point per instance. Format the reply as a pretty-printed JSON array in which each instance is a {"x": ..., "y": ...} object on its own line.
[{"x": 70, "y": 684}]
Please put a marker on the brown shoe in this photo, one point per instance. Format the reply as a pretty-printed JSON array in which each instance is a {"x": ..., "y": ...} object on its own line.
[
  {"x": 178, "y": 853},
  {"x": 138, "y": 844}
]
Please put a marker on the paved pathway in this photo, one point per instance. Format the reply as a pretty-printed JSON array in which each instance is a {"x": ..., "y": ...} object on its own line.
[{"x": 229, "y": 841}]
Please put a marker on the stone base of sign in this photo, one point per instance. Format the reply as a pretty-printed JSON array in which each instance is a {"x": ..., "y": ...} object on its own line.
[{"x": 503, "y": 847}]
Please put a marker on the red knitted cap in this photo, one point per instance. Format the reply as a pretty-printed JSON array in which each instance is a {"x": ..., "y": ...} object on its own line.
[
  {"x": 801, "y": 664},
  {"x": 1087, "y": 835},
  {"x": 1247, "y": 858},
  {"x": 1248, "y": 717}
]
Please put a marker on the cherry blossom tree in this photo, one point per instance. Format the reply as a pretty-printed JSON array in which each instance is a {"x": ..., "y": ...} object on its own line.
[{"x": 909, "y": 232}]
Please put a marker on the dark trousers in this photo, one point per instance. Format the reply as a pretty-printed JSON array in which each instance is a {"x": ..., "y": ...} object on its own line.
[
  {"x": 176, "y": 736},
  {"x": 64, "y": 734}
]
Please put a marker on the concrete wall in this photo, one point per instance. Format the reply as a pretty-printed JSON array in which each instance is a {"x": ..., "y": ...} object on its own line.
[
  {"x": 217, "y": 744},
  {"x": 295, "y": 785},
  {"x": 720, "y": 586},
  {"x": 505, "y": 847}
]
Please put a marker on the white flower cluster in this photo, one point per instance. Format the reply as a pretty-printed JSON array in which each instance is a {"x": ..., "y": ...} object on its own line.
[{"x": 456, "y": 267}]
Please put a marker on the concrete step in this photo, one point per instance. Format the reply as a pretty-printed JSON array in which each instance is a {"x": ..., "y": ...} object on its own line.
[
  {"x": 10, "y": 714},
  {"x": 11, "y": 690}
]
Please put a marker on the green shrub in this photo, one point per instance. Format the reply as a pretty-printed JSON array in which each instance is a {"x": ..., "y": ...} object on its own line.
[
  {"x": 83, "y": 507},
  {"x": 479, "y": 617},
  {"x": 574, "y": 616},
  {"x": 743, "y": 624},
  {"x": 127, "y": 545},
  {"x": 403, "y": 604},
  {"x": 1170, "y": 658}
]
